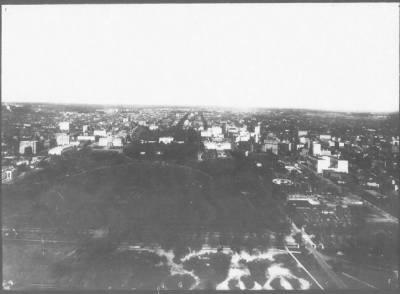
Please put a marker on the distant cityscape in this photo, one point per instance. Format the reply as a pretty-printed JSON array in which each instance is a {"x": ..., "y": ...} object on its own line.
[{"x": 319, "y": 187}]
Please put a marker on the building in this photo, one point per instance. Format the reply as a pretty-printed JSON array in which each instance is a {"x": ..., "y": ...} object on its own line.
[
  {"x": 325, "y": 137},
  {"x": 316, "y": 149},
  {"x": 117, "y": 142},
  {"x": 304, "y": 140},
  {"x": 166, "y": 140},
  {"x": 302, "y": 133},
  {"x": 7, "y": 174},
  {"x": 223, "y": 145},
  {"x": 64, "y": 126},
  {"x": 86, "y": 138},
  {"x": 100, "y": 133},
  {"x": 60, "y": 150},
  {"x": 320, "y": 164},
  {"x": 232, "y": 130},
  {"x": 105, "y": 141},
  {"x": 85, "y": 129},
  {"x": 62, "y": 139},
  {"x": 24, "y": 146},
  {"x": 206, "y": 134},
  {"x": 243, "y": 137},
  {"x": 216, "y": 131},
  {"x": 271, "y": 144}
]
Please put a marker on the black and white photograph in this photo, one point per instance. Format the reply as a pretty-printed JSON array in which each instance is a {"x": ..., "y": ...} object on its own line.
[{"x": 200, "y": 146}]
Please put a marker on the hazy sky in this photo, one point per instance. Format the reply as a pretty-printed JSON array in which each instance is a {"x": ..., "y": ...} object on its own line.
[{"x": 321, "y": 56}]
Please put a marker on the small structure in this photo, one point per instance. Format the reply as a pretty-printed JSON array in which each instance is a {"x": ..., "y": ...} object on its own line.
[
  {"x": 166, "y": 140},
  {"x": 7, "y": 174}
]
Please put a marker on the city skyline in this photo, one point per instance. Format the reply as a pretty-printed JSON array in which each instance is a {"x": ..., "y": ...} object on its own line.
[{"x": 253, "y": 56}]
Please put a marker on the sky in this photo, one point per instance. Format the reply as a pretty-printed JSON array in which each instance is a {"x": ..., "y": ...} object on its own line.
[{"x": 316, "y": 56}]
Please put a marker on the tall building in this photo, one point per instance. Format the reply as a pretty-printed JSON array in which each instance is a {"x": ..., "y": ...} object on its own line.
[
  {"x": 62, "y": 139},
  {"x": 316, "y": 149}
]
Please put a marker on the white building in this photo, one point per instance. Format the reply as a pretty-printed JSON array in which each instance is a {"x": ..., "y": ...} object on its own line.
[
  {"x": 329, "y": 163},
  {"x": 326, "y": 153},
  {"x": 217, "y": 145},
  {"x": 100, "y": 133},
  {"x": 117, "y": 142},
  {"x": 23, "y": 145},
  {"x": 316, "y": 149},
  {"x": 303, "y": 140},
  {"x": 243, "y": 137},
  {"x": 105, "y": 141},
  {"x": 216, "y": 131},
  {"x": 64, "y": 126},
  {"x": 325, "y": 137},
  {"x": 85, "y": 128},
  {"x": 60, "y": 150},
  {"x": 166, "y": 140},
  {"x": 7, "y": 174},
  {"x": 206, "y": 134},
  {"x": 302, "y": 133},
  {"x": 62, "y": 139}
]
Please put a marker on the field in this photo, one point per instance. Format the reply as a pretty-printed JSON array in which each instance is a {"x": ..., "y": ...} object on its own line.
[{"x": 84, "y": 217}]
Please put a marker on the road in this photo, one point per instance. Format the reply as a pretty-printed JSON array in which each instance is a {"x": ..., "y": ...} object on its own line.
[
  {"x": 385, "y": 214},
  {"x": 310, "y": 245},
  {"x": 304, "y": 268}
]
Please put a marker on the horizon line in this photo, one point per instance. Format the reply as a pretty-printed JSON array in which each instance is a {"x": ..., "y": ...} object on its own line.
[{"x": 201, "y": 106}]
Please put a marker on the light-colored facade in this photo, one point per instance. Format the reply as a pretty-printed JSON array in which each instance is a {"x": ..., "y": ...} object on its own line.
[
  {"x": 100, "y": 133},
  {"x": 165, "y": 140},
  {"x": 62, "y": 139},
  {"x": 302, "y": 133},
  {"x": 217, "y": 145},
  {"x": 26, "y": 144},
  {"x": 271, "y": 144},
  {"x": 64, "y": 126},
  {"x": 329, "y": 163},
  {"x": 316, "y": 149},
  {"x": 60, "y": 150},
  {"x": 325, "y": 137},
  {"x": 7, "y": 174},
  {"x": 105, "y": 141},
  {"x": 117, "y": 142}
]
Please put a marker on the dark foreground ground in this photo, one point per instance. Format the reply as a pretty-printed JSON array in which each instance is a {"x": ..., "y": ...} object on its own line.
[{"x": 106, "y": 221}]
